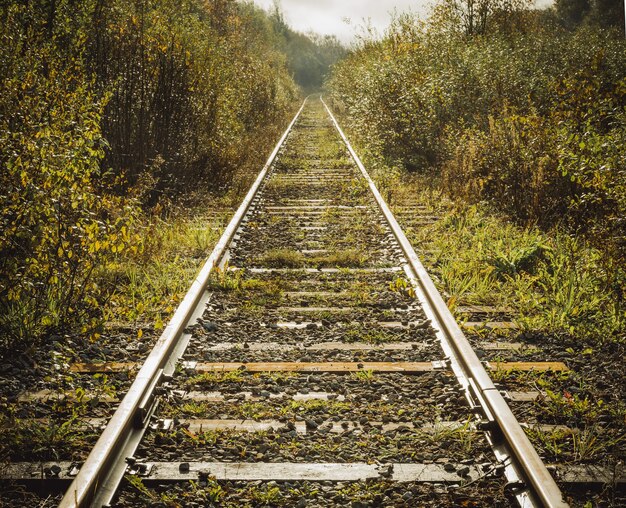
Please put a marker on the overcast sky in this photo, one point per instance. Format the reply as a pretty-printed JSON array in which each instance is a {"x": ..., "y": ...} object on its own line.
[{"x": 330, "y": 16}]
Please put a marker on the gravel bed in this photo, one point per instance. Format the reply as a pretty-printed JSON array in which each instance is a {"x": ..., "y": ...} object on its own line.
[
  {"x": 423, "y": 398},
  {"x": 323, "y": 494},
  {"x": 318, "y": 445},
  {"x": 249, "y": 314},
  {"x": 240, "y": 354}
]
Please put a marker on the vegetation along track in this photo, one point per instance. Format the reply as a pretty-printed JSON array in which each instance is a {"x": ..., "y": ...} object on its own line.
[{"x": 312, "y": 363}]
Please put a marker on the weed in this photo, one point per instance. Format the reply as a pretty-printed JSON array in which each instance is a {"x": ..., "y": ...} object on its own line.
[
  {"x": 464, "y": 436},
  {"x": 255, "y": 410},
  {"x": 556, "y": 282},
  {"x": 137, "y": 483},
  {"x": 355, "y": 189},
  {"x": 572, "y": 407},
  {"x": 202, "y": 438},
  {"x": 265, "y": 495},
  {"x": 45, "y": 439},
  {"x": 403, "y": 287},
  {"x": 519, "y": 259},
  {"x": 362, "y": 297},
  {"x": 364, "y": 376},
  {"x": 225, "y": 279},
  {"x": 268, "y": 288},
  {"x": 579, "y": 445},
  {"x": 554, "y": 442},
  {"x": 191, "y": 408},
  {"x": 150, "y": 285},
  {"x": 332, "y": 407},
  {"x": 349, "y": 258},
  {"x": 356, "y": 333},
  {"x": 543, "y": 379},
  {"x": 282, "y": 258},
  {"x": 213, "y": 492},
  {"x": 363, "y": 491}
]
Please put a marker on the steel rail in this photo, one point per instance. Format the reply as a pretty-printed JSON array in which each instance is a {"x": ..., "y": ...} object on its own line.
[
  {"x": 100, "y": 475},
  {"x": 544, "y": 489}
]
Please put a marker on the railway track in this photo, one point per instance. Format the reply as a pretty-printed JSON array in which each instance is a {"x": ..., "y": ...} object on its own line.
[{"x": 312, "y": 363}]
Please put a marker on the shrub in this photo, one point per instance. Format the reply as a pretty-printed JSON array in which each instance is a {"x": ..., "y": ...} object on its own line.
[
  {"x": 58, "y": 223},
  {"x": 109, "y": 109},
  {"x": 531, "y": 119}
]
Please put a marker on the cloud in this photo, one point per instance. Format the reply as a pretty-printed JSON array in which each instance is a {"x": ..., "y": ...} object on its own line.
[{"x": 329, "y": 16}]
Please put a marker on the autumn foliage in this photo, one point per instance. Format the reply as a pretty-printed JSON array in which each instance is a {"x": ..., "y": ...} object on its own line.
[
  {"x": 110, "y": 108},
  {"x": 508, "y": 108}
]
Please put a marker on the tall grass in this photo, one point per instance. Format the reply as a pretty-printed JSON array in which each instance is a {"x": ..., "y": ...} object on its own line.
[{"x": 557, "y": 281}]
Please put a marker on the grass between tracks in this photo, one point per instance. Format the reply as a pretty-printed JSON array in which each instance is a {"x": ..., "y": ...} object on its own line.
[{"x": 280, "y": 258}]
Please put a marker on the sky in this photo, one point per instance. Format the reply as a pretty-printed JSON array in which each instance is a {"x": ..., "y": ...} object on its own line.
[{"x": 344, "y": 17}]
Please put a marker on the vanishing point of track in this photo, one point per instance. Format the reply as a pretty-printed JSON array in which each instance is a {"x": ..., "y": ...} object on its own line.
[{"x": 314, "y": 306}]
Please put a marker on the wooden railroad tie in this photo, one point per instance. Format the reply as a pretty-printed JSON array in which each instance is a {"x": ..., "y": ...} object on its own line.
[
  {"x": 275, "y": 471},
  {"x": 336, "y": 367}
]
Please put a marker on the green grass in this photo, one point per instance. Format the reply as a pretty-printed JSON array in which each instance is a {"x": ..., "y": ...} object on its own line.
[
  {"x": 556, "y": 282},
  {"x": 359, "y": 333},
  {"x": 579, "y": 446},
  {"x": 349, "y": 258},
  {"x": 365, "y": 376},
  {"x": 224, "y": 279},
  {"x": 282, "y": 258},
  {"x": 24, "y": 439},
  {"x": 558, "y": 285},
  {"x": 150, "y": 285},
  {"x": 289, "y": 258}
]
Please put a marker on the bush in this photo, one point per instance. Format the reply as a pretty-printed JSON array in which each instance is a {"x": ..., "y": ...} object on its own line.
[
  {"x": 565, "y": 167},
  {"x": 108, "y": 110},
  {"x": 58, "y": 223},
  {"x": 191, "y": 84},
  {"x": 529, "y": 118}
]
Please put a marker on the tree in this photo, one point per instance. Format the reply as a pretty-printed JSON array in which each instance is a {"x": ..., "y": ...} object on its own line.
[
  {"x": 603, "y": 13},
  {"x": 608, "y": 13},
  {"x": 309, "y": 56},
  {"x": 476, "y": 17}
]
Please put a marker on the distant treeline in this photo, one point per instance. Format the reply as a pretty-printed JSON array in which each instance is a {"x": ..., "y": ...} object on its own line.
[
  {"x": 309, "y": 56},
  {"x": 108, "y": 108},
  {"x": 524, "y": 109},
  {"x": 600, "y": 13}
]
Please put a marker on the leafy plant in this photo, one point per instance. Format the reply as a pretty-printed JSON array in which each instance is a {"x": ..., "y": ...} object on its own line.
[
  {"x": 364, "y": 375},
  {"x": 573, "y": 407},
  {"x": 403, "y": 287},
  {"x": 225, "y": 279},
  {"x": 519, "y": 259},
  {"x": 109, "y": 110}
]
